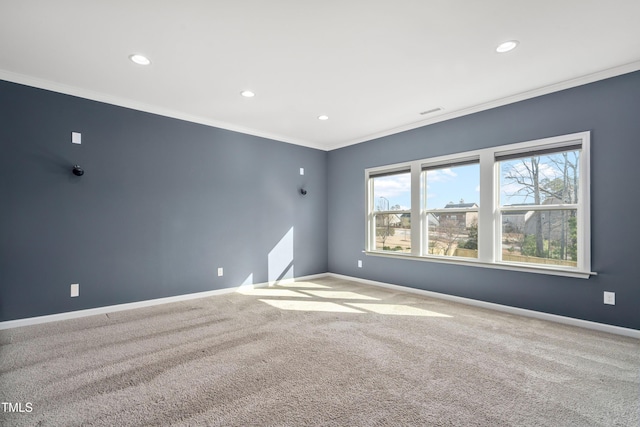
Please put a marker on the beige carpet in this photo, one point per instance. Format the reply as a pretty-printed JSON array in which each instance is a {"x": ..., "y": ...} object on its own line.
[{"x": 326, "y": 352}]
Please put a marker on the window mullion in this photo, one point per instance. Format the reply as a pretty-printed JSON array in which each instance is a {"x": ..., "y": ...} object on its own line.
[
  {"x": 584, "y": 218},
  {"x": 486, "y": 211},
  {"x": 370, "y": 243},
  {"x": 416, "y": 218}
]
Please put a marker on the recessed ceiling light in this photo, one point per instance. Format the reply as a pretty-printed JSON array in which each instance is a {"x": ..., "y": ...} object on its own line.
[
  {"x": 507, "y": 46},
  {"x": 140, "y": 59},
  {"x": 323, "y": 117},
  {"x": 247, "y": 94}
]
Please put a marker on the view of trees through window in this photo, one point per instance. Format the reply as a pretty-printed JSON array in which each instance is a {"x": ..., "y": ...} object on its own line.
[{"x": 546, "y": 186}]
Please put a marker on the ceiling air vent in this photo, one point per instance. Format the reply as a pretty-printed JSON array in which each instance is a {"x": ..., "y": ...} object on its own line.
[{"x": 433, "y": 110}]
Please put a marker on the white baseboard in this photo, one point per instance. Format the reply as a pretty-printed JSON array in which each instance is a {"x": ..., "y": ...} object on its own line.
[
  {"x": 140, "y": 304},
  {"x": 633, "y": 333}
]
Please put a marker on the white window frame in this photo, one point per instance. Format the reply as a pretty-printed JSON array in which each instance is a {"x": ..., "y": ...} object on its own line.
[
  {"x": 371, "y": 212},
  {"x": 438, "y": 163},
  {"x": 489, "y": 211}
]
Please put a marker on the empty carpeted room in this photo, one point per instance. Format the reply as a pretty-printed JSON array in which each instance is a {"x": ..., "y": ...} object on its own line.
[{"x": 319, "y": 213}]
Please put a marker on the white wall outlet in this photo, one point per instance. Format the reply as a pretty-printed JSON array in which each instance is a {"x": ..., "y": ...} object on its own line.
[
  {"x": 220, "y": 271},
  {"x": 610, "y": 298},
  {"x": 76, "y": 138},
  {"x": 359, "y": 263},
  {"x": 301, "y": 171},
  {"x": 75, "y": 290}
]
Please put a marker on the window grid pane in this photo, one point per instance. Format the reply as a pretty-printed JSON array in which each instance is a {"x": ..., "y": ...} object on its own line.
[
  {"x": 540, "y": 237},
  {"x": 393, "y": 231},
  {"x": 546, "y": 179},
  {"x": 454, "y": 234}
]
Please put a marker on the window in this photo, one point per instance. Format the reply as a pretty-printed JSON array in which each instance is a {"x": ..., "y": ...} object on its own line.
[
  {"x": 522, "y": 206},
  {"x": 391, "y": 214},
  {"x": 547, "y": 185},
  {"x": 451, "y": 227}
]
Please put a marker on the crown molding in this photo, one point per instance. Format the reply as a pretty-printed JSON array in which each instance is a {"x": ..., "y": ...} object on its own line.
[
  {"x": 153, "y": 109},
  {"x": 556, "y": 87},
  {"x": 147, "y": 108}
]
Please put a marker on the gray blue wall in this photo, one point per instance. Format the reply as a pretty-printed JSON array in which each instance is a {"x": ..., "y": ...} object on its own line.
[
  {"x": 162, "y": 205},
  {"x": 609, "y": 108}
]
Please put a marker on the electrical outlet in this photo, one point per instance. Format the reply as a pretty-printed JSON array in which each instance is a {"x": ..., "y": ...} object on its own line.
[
  {"x": 359, "y": 263},
  {"x": 75, "y": 290},
  {"x": 301, "y": 171},
  {"x": 220, "y": 271},
  {"x": 609, "y": 298},
  {"x": 76, "y": 138}
]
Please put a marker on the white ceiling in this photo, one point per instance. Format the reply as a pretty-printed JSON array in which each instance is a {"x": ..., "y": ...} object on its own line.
[{"x": 371, "y": 65}]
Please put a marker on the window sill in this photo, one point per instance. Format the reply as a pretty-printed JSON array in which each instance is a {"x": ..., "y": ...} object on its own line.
[{"x": 495, "y": 265}]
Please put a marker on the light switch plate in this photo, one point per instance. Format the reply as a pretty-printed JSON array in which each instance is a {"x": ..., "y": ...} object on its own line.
[
  {"x": 301, "y": 171},
  {"x": 76, "y": 138},
  {"x": 75, "y": 290}
]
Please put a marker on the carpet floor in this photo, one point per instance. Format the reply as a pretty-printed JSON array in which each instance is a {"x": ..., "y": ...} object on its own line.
[{"x": 326, "y": 352}]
